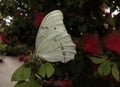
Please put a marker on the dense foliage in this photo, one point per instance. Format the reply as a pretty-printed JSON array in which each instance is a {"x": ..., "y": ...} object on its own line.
[{"x": 94, "y": 28}]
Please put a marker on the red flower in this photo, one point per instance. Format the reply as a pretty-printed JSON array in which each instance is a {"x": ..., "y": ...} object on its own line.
[
  {"x": 3, "y": 37},
  {"x": 67, "y": 83},
  {"x": 91, "y": 44},
  {"x": 38, "y": 17},
  {"x": 26, "y": 59},
  {"x": 112, "y": 41},
  {"x": 21, "y": 57},
  {"x": 62, "y": 83},
  {"x": 59, "y": 83}
]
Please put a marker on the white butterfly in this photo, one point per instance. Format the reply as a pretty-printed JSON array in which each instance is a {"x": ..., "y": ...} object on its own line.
[{"x": 53, "y": 43}]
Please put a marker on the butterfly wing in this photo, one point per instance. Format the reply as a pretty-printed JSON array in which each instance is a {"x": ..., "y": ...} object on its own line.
[{"x": 53, "y": 43}]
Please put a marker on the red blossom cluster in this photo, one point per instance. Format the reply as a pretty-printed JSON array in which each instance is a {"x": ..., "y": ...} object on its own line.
[
  {"x": 62, "y": 83},
  {"x": 38, "y": 17},
  {"x": 112, "y": 41},
  {"x": 59, "y": 82},
  {"x": 24, "y": 57},
  {"x": 3, "y": 37},
  {"x": 92, "y": 44}
]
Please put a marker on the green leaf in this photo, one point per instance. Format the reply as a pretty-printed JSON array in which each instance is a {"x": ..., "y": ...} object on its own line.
[
  {"x": 115, "y": 72},
  {"x": 97, "y": 60},
  {"x": 42, "y": 71},
  {"x": 34, "y": 83},
  {"x": 101, "y": 69},
  {"x": 30, "y": 83},
  {"x": 22, "y": 73},
  {"x": 22, "y": 84},
  {"x": 107, "y": 68},
  {"x": 46, "y": 69},
  {"x": 49, "y": 69}
]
